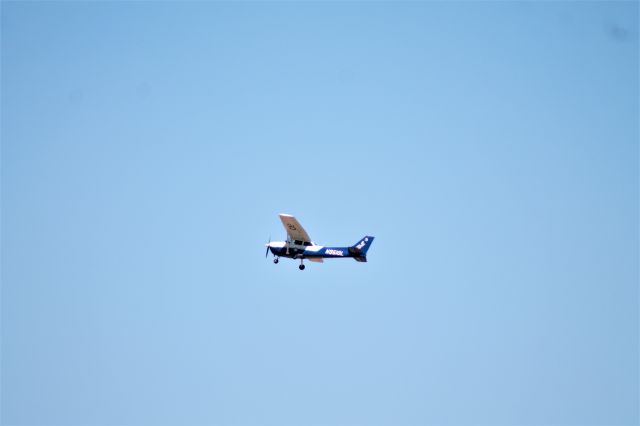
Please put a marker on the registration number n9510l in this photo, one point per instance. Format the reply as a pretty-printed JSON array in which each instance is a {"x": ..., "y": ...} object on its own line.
[{"x": 334, "y": 252}]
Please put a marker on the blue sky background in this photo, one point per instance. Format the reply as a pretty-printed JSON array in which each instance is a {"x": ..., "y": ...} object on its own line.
[{"x": 491, "y": 148}]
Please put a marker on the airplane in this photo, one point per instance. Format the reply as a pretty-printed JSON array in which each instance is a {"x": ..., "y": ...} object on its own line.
[{"x": 299, "y": 246}]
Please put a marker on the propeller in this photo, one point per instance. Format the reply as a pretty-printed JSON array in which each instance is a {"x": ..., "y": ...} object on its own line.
[{"x": 268, "y": 244}]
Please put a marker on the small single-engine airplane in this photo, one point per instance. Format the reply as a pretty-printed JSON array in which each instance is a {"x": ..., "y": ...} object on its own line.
[{"x": 299, "y": 246}]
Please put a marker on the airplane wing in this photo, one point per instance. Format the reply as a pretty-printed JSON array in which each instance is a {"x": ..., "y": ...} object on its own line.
[{"x": 294, "y": 229}]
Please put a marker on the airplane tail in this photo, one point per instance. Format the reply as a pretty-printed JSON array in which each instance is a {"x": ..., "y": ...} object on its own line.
[{"x": 359, "y": 251}]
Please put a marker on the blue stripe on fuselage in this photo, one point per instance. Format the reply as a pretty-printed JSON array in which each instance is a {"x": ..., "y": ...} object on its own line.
[{"x": 325, "y": 252}]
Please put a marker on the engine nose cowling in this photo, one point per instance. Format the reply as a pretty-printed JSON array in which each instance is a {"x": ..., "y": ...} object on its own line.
[{"x": 275, "y": 247}]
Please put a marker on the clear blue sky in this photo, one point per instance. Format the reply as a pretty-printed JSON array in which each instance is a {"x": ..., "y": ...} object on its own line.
[{"x": 491, "y": 148}]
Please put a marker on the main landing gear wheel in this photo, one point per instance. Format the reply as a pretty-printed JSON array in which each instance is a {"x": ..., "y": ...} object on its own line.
[
  {"x": 301, "y": 267},
  {"x": 276, "y": 260}
]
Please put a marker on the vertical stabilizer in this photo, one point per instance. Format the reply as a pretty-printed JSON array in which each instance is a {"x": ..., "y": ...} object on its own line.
[{"x": 359, "y": 250}]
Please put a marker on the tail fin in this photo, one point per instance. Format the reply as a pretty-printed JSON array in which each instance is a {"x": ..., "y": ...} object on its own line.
[{"x": 359, "y": 250}]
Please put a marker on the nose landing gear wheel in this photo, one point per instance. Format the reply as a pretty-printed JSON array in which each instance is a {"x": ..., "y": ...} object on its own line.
[
  {"x": 301, "y": 267},
  {"x": 276, "y": 260}
]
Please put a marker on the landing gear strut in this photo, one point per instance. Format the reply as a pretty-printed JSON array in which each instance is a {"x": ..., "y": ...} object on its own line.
[
  {"x": 276, "y": 260},
  {"x": 301, "y": 267}
]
